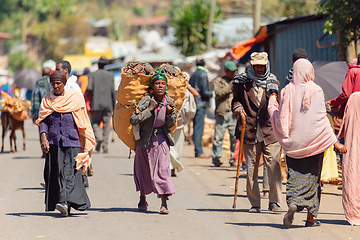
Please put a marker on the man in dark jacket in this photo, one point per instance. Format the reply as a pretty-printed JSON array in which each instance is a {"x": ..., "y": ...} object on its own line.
[
  {"x": 199, "y": 80},
  {"x": 103, "y": 97},
  {"x": 251, "y": 91}
]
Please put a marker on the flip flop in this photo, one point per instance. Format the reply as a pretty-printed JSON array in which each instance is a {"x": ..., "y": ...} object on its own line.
[
  {"x": 164, "y": 210},
  {"x": 289, "y": 216},
  {"x": 312, "y": 224}
]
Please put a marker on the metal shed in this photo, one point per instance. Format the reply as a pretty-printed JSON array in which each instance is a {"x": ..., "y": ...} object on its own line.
[{"x": 301, "y": 32}]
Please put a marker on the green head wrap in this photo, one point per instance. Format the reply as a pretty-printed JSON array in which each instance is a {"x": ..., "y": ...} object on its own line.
[{"x": 158, "y": 75}]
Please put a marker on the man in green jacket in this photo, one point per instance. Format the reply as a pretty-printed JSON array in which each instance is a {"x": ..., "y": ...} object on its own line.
[{"x": 224, "y": 118}]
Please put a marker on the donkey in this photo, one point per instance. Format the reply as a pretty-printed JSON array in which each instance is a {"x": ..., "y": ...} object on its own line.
[{"x": 10, "y": 123}]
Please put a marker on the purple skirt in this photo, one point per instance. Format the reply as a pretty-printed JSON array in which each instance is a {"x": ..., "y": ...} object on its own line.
[{"x": 152, "y": 167}]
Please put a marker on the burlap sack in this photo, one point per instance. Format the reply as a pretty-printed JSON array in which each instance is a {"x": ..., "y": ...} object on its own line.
[
  {"x": 177, "y": 89},
  {"x": 122, "y": 125},
  {"x": 131, "y": 90}
]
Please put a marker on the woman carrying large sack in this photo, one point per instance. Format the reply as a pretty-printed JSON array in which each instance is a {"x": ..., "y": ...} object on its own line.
[
  {"x": 304, "y": 132},
  {"x": 155, "y": 115}
]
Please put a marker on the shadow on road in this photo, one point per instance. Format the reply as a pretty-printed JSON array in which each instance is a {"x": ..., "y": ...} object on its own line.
[
  {"x": 334, "y": 221},
  {"x": 5, "y": 152},
  {"x": 127, "y": 174},
  {"x": 31, "y": 189},
  {"x": 223, "y": 169},
  {"x": 225, "y": 195},
  {"x": 120, "y": 210},
  {"x": 273, "y": 225},
  {"x": 45, "y": 214},
  {"x": 229, "y": 210},
  {"x": 28, "y": 157},
  {"x": 244, "y": 177}
]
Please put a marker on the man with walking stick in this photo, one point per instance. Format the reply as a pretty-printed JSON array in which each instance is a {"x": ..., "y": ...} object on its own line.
[{"x": 250, "y": 93}]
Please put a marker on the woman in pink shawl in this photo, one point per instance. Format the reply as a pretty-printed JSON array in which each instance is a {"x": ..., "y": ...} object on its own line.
[
  {"x": 304, "y": 132},
  {"x": 350, "y": 165}
]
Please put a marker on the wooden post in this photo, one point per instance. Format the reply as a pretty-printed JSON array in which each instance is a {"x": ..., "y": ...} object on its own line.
[
  {"x": 211, "y": 21},
  {"x": 256, "y": 15}
]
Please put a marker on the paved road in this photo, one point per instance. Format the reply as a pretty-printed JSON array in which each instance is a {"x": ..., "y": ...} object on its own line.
[{"x": 200, "y": 209}]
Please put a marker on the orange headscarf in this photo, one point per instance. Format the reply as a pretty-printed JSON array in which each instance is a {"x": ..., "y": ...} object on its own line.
[{"x": 72, "y": 102}]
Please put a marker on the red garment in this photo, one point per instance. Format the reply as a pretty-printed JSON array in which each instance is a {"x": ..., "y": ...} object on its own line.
[{"x": 350, "y": 85}]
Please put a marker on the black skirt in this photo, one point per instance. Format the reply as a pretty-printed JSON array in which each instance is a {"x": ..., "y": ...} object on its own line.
[
  {"x": 63, "y": 182},
  {"x": 303, "y": 183}
]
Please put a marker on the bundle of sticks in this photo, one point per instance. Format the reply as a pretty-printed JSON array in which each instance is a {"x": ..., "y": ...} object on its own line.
[{"x": 11, "y": 105}]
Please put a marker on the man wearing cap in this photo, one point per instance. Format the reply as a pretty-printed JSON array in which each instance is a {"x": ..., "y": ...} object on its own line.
[
  {"x": 101, "y": 90},
  {"x": 224, "y": 118},
  {"x": 199, "y": 80},
  {"x": 251, "y": 91}
]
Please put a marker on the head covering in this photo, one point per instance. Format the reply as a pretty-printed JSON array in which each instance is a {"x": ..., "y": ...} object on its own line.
[
  {"x": 230, "y": 65},
  {"x": 353, "y": 63},
  {"x": 58, "y": 76},
  {"x": 300, "y": 123},
  {"x": 72, "y": 102},
  {"x": 350, "y": 164},
  {"x": 103, "y": 60},
  {"x": 158, "y": 75},
  {"x": 250, "y": 76},
  {"x": 259, "y": 58},
  {"x": 49, "y": 64},
  {"x": 86, "y": 71}
]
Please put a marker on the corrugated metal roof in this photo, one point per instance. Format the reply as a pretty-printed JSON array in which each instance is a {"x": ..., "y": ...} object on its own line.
[{"x": 297, "y": 35}]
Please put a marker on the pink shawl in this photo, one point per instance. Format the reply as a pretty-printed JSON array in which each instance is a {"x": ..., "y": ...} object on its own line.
[
  {"x": 300, "y": 123},
  {"x": 72, "y": 102},
  {"x": 351, "y": 167}
]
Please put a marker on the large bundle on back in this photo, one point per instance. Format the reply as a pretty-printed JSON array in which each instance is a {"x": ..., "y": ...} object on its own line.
[
  {"x": 135, "y": 81},
  {"x": 176, "y": 83},
  {"x": 16, "y": 107},
  {"x": 134, "y": 85}
]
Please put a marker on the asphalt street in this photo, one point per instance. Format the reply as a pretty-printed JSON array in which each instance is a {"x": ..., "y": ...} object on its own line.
[{"x": 200, "y": 209}]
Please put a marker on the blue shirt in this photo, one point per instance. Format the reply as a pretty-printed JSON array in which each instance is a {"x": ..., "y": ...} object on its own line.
[{"x": 61, "y": 126}]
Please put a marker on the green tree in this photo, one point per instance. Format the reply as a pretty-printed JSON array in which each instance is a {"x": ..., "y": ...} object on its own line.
[
  {"x": 344, "y": 18},
  {"x": 18, "y": 60},
  {"x": 190, "y": 20},
  {"x": 274, "y": 9}
]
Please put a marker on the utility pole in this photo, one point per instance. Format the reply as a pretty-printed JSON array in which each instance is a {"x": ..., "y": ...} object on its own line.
[
  {"x": 211, "y": 21},
  {"x": 256, "y": 15}
]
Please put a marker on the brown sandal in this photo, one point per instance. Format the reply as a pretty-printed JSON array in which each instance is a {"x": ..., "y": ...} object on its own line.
[{"x": 164, "y": 210}]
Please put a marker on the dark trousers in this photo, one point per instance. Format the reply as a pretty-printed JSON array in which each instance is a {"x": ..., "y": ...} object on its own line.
[
  {"x": 199, "y": 122},
  {"x": 101, "y": 135}
]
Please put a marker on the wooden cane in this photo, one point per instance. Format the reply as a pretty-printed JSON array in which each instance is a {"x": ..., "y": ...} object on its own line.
[{"x": 239, "y": 158}]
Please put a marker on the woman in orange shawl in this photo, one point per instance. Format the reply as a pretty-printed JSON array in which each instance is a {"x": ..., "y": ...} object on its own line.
[{"x": 68, "y": 140}]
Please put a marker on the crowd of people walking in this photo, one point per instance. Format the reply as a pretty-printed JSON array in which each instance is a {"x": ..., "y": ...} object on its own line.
[{"x": 75, "y": 120}]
